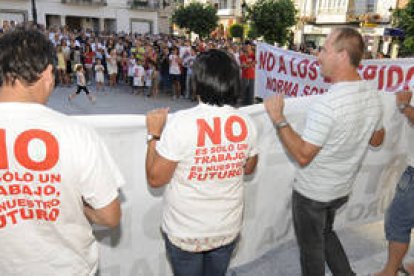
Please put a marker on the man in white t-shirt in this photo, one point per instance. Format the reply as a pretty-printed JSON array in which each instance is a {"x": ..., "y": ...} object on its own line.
[
  {"x": 399, "y": 220},
  {"x": 202, "y": 154},
  {"x": 340, "y": 126},
  {"x": 56, "y": 175}
]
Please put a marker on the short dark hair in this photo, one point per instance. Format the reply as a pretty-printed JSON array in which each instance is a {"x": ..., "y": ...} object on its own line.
[
  {"x": 351, "y": 41},
  {"x": 24, "y": 54},
  {"x": 216, "y": 78}
]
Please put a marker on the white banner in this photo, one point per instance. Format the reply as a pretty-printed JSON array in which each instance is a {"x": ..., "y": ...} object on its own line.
[
  {"x": 295, "y": 74},
  {"x": 136, "y": 248}
]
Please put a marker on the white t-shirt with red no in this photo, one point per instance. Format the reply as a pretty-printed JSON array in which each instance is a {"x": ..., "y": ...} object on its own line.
[
  {"x": 211, "y": 145},
  {"x": 54, "y": 163}
]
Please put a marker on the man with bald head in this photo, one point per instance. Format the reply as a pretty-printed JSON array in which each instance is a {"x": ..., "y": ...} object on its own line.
[{"x": 340, "y": 125}]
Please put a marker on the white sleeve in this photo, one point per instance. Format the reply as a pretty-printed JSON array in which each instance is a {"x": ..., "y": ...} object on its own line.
[
  {"x": 175, "y": 142},
  {"x": 380, "y": 123},
  {"x": 100, "y": 178},
  {"x": 319, "y": 123},
  {"x": 254, "y": 150}
]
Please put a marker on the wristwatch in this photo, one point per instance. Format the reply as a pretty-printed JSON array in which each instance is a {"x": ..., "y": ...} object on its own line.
[
  {"x": 402, "y": 106},
  {"x": 151, "y": 137},
  {"x": 281, "y": 124}
]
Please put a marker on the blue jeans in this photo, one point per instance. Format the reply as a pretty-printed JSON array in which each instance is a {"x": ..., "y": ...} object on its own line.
[
  {"x": 209, "y": 263},
  {"x": 318, "y": 242},
  {"x": 399, "y": 219}
]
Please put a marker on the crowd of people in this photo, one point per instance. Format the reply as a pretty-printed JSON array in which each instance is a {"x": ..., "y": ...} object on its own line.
[
  {"x": 146, "y": 63},
  {"x": 203, "y": 203}
]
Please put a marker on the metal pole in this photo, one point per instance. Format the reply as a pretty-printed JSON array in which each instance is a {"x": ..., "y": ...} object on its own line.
[{"x": 34, "y": 12}]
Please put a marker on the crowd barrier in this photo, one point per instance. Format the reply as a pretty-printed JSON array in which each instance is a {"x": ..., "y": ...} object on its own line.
[{"x": 137, "y": 248}]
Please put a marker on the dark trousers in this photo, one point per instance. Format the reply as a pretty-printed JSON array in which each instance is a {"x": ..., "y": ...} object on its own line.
[
  {"x": 248, "y": 92},
  {"x": 84, "y": 88},
  {"x": 313, "y": 222},
  {"x": 210, "y": 263}
]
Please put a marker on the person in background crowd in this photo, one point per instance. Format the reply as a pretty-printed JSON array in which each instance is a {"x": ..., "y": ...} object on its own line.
[
  {"x": 99, "y": 75},
  {"x": 247, "y": 64},
  {"x": 139, "y": 77},
  {"x": 49, "y": 233},
  {"x": 184, "y": 54},
  {"x": 340, "y": 125},
  {"x": 154, "y": 80},
  {"x": 203, "y": 209},
  {"x": 61, "y": 65},
  {"x": 190, "y": 61},
  {"x": 175, "y": 72},
  {"x": 399, "y": 219},
  {"x": 164, "y": 68},
  {"x": 131, "y": 66},
  {"x": 124, "y": 66},
  {"x": 81, "y": 84},
  {"x": 88, "y": 59},
  {"x": 112, "y": 67}
]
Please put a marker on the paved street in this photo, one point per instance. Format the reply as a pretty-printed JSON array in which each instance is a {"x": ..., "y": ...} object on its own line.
[
  {"x": 365, "y": 245},
  {"x": 117, "y": 100}
]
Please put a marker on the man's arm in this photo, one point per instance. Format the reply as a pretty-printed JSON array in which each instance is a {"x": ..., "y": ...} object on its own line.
[
  {"x": 251, "y": 164},
  {"x": 109, "y": 215},
  {"x": 403, "y": 99},
  {"x": 158, "y": 169},
  {"x": 409, "y": 113},
  {"x": 302, "y": 151},
  {"x": 377, "y": 138}
]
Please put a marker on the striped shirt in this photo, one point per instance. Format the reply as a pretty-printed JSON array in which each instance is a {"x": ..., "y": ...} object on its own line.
[{"x": 341, "y": 122}]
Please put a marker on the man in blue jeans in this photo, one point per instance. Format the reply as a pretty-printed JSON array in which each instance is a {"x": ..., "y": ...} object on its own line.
[
  {"x": 399, "y": 220},
  {"x": 339, "y": 127}
]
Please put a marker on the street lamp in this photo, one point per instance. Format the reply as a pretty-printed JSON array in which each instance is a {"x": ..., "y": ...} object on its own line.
[{"x": 34, "y": 12}]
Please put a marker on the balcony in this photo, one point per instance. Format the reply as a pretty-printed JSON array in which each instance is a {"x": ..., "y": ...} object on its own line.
[
  {"x": 366, "y": 18},
  {"x": 86, "y": 2},
  {"x": 144, "y": 4}
]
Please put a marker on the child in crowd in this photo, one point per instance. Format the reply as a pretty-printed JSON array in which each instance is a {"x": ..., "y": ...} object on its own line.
[
  {"x": 81, "y": 83},
  {"x": 155, "y": 79},
  {"x": 148, "y": 79},
  {"x": 125, "y": 67},
  {"x": 139, "y": 75},
  {"x": 131, "y": 66},
  {"x": 99, "y": 75}
]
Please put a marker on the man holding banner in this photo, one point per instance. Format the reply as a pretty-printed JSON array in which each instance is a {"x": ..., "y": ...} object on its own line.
[
  {"x": 340, "y": 125},
  {"x": 399, "y": 220}
]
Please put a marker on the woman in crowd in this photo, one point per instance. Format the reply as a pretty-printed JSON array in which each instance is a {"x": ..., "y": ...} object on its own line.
[
  {"x": 112, "y": 67},
  {"x": 175, "y": 72}
]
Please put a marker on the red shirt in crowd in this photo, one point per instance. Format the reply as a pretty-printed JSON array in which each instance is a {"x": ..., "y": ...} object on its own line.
[{"x": 247, "y": 63}]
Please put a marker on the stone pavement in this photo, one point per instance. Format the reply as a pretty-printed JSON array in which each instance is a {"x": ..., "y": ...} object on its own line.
[
  {"x": 118, "y": 100},
  {"x": 365, "y": 245}
]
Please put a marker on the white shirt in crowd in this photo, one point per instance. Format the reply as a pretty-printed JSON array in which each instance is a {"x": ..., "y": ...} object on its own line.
[
  {"x": 139, "y": 75},
  {"x": 174, "y": 65},
  {"x": 148, "y": 77},
  {"x": 341, "y": 122}
]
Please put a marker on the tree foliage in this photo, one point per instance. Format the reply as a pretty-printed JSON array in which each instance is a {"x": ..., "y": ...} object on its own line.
[
  {"x": 236, "y": 30},
  {"x": 404, "y": 19},
  {"x": 272, "y": 19},
  {"x": 196, "y": 17}
]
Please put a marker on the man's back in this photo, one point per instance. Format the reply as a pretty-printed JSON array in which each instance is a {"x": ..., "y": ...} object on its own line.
[
  {"x": 341, "y": 123},
  {"x": 53, "y": 164}
]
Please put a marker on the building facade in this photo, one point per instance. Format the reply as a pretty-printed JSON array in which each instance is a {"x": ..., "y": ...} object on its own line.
[
  {"x": 372, "y": 17},
  {"x": 136, "y": 16}
]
